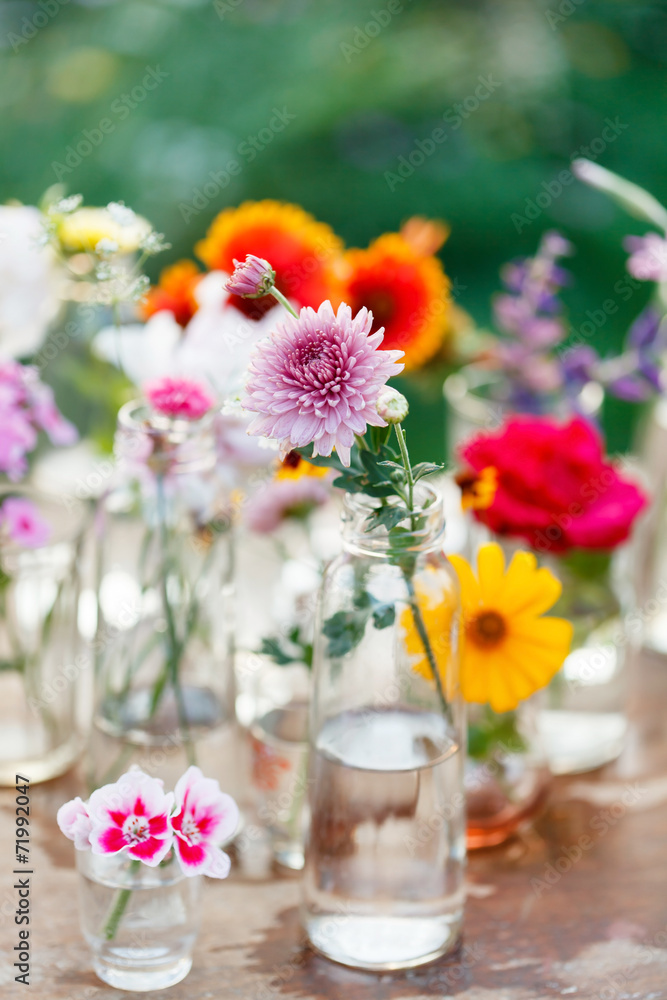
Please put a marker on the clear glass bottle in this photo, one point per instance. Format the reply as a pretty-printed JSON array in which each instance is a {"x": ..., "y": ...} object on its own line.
[
  {"x": 140, "y": 923},
  {"x": 385, "y": 851},
  {"x": 163, "y": 648},
  {"x": 279, "y": 747},
  {"x": 506, "y": 777},
  {"x": 43, "y": 668},
  {"x": 584, "y": 721}
]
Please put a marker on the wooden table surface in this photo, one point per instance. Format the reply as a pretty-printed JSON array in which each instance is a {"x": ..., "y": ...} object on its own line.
[{"x": 545, "y": 917}]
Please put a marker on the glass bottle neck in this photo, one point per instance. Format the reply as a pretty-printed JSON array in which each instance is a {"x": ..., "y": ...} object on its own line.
[
  {"x": 166, "y": 445},
  {"x": 420, "y": 531}
]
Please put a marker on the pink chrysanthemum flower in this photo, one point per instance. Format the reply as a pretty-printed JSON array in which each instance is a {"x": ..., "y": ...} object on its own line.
[
  {"x": 204, "y": 817},
  {"x": 317, "y": 379},
  {"x": 282, "y": 498},
  {"x": 74, "y": 821},
  {"x": 132, "y": 815},
  {"x": 179, "y": 397},
  {"x": 648, "y": 260},
  {"x": 23, "y": 523},
  {"x": 251, "y": 278}
]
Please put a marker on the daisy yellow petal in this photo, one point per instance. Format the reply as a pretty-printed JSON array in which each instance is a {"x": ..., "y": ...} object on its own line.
[
  {"x": 475, "y": 667},
  {"x": 527, "y": 589},
  {"x": 510, "y": 651},
  {"x": 491, "y": 571},
  {"x": 471, "y": 594},
  {"x": 552, "y": 633}
]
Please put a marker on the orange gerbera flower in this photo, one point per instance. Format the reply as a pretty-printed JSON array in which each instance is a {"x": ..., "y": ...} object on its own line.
[
  {"x": 406, "y": 290},
  {"x": 174, "y": 292},
  {"x": 304, "y": 253}
]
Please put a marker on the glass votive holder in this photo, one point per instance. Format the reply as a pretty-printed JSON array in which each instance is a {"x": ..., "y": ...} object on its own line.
[{"x": 140, "y": 923}]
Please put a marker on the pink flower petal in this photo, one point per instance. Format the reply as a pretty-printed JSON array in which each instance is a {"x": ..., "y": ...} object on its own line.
[{"x": 307, "y": 378}]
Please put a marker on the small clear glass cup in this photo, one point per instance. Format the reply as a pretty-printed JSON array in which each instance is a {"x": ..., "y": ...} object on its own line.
[
  {"x": 140, "y": 923},
  {"x": 280, "y": 775}
]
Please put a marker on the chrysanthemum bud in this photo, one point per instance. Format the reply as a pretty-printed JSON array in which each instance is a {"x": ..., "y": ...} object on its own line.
[
  {"x": 252, "y": 278},
  {"x": 392, "y": 406}
]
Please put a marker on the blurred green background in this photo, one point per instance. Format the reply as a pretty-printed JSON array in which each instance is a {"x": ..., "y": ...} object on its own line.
[{"x": 364, "y": 81}]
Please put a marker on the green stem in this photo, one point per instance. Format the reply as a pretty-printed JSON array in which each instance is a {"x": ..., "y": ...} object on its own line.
[
  {"x": 174, "y": 649},
  {"x": 416, "y": 611},
  {"x": 426, "y": 643},
  {"x": 119, "y": 907},
  {"x": 279, "y": 297},
  {"x": 400, "y": 434},
  {"x": 115, "y": 312}
]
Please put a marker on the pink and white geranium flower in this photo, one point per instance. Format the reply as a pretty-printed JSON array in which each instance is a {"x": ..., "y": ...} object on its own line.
[
  {"x": 317, "y": 379},
  {"x": 132, "y": 815},
  {"x": 74, "y": 821},
  {"x": 204, "y": 817}
]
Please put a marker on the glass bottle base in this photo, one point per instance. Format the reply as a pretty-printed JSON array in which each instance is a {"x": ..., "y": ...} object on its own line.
[
  {"x": 143, "y": 980},
  {"x": 382, "y": 944},
  {"x": 289, "y": 856},
  {"x": 39, "y": 768}
]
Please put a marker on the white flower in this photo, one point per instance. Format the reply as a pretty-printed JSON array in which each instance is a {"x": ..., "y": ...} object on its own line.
[
  {"x": 30, "y": 282},
  {"x": 121, "y": 214},
  {"x": 214, "y": 347}
]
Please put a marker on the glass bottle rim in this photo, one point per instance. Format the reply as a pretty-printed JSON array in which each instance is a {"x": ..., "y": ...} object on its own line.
[
  {"x": 426, "y": 536},
  {"x": 138, "y": 416},
  {"x": 185, "y": 446}
]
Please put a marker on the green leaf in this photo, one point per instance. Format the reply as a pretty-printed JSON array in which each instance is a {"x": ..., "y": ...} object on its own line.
[
  {"x": 389, "y": 517},
  {"x": 345, "y": 630},
  {"x": 494, "y": 733},
  {"x": 423, "y": 469},
  {"x": 379, "y": 437},
  {"x": 271, "y": 647},
  {"x": 384, "y": 616}
]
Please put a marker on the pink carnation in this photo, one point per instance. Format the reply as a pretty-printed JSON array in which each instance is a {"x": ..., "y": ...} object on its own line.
[
  {"x": 317, "y": 378},
  {"x": 282, "y": 498},
  {"x": 204, "y": 817},
  {"x": 74, "y": 821},
  {"x": 179, "y": 397},
  {"x": 252, "y": 278},
  {"x": 23, "y": 522},
  {"x": 648, "y": 259},
  {"x": 132, "y": 815}
]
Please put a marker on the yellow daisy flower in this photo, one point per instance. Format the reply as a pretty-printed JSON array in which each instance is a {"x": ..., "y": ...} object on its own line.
[{"x": 509, "y": 649}]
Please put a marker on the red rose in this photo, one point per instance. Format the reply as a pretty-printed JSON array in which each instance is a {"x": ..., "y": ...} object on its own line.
[{"x": 555, "y": 488}]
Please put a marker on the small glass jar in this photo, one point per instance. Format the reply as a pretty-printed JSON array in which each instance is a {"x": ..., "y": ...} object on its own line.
[
  {"x": 507, "y": 779},
  {"x": 44, "y": 670},
  {"x": 140, "y": 923},
  {"x": 164, "y": 641},
  {"x": 279, "y": 745},
  {"x": 583, "y": 723},
  {"x": 385, "y": 851}
]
